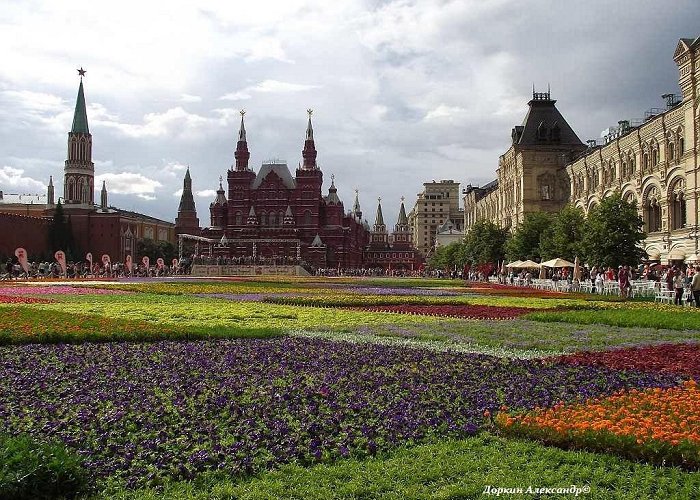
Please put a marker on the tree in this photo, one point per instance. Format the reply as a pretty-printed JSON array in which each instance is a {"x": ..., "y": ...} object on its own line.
[
  {"x": 484, "y": 243},
  {"x": 525, "y": 242},
  {"x": 148, "y": 247},
  {"x": 563, "y": 237},
  {"x": 60, "y": 233},
  {"x": 447, "y": 257},
  {"x": 613, "y": 234}
]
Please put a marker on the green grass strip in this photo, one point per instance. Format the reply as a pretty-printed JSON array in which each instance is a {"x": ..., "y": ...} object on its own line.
[{"x": 447, "y": 469}]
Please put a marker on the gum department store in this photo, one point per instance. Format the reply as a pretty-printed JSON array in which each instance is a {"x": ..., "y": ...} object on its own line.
[{"x": 653, "y": 161}]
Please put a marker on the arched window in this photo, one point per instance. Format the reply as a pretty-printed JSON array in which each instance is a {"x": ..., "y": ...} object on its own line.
[
  {"x": 263, "y": 219},
  {"x": 677, "y": 205},
  {"x": 273, "y": 219},
  {"x": 613, "y": 174},
  {"x": 280, "y": 218},
  {"x": 654, "y": 157},
  {"x": 70, "y": 195},
  {"x": 652, "y": 212},
  {"x": 307, "y": 218},
  {"x": 681, "y": 146},
  {"x": 239, "y": 218},
  {"x": 632, "y": 164}
]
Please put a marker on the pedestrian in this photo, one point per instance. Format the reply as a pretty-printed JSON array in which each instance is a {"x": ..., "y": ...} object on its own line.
[
  {"x": 623, "y": 278},
  {"x": 695, "y": 286},
  {"x": 678, "y": 284}
]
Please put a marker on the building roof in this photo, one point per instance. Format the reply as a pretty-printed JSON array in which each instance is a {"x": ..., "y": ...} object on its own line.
[
  {"x": 80, "y": 121},
  {"x": 544, "y": 125},
  {"x": 187, "y": 200},
  {"x": 278, "y": 168}
]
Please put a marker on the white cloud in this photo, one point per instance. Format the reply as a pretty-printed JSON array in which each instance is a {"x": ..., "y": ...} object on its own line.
[
  {"x": 267, "y": 86},
  {"x": 174, "y": 121},
  {"x": 14, "y": 179},
  {"x": 444, "y": 111},
  {"x": 267, "y": 48},
  {"x": 206, "y": 193},
  {"x": 129, "y": 183},
  {"x": 174, "y": 168},
  {"x": 178, "y": 193},
  {"x": 190, "y": 98}
]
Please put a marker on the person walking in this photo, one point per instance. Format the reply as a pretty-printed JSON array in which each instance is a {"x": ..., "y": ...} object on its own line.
[
  {"x": 695, "y": 286},
  {"x": 623, "y": 278},
  {"x": 678, "y": 284}
]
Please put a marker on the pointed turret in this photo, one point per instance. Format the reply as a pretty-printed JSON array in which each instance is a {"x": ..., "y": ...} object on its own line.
[
  {"x": 402, "y": 238},
  {"x": 220, "y": 194},
  {"x": 242, "y": 154},
  {"x": 103, "y": 195},
  {"x": 379, "y": 225},
  {"x": 402, "y": 223},
  {"x": 356, "y": 210},
  {"x": 332, "y": 198},
  {"x": 379, "y": 237},
  {"x": 80, "y": 121},
  {"x": 50, "y": 192},
  {"x": 79, "y": 170},
  {"x": 309, "y": 151},
  {"x": 187, "y": 221}
]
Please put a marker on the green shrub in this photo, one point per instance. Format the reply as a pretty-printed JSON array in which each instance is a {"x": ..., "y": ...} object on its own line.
[{"x": 34, "y": 470}]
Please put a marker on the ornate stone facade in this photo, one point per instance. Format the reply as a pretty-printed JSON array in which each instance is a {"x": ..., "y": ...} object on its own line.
[{"x": 653, "y": 161}]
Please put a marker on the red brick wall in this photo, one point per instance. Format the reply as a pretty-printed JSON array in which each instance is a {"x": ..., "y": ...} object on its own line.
[{"x": 22, "y": 231}]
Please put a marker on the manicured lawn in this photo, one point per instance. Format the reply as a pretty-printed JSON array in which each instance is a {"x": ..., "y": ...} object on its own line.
[
  {"x": 633, "y": 315},
  {"x": 448, "y": 469}
]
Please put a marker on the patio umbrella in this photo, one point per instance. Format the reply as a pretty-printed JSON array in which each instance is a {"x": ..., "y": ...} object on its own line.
[
  {"x": 543, "y": 272},
  {"x": 528, "y": 264},
  {"x": 558, "y": 263},
  {"x": 577, "y": 269},
  {"x": 503, "y": 267},
  {"x": 515, "y": 263},
  {"x": 693, "y": 259}
]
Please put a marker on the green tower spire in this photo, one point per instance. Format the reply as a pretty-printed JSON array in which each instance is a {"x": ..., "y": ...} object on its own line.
[{"x": 80, "y": 121}]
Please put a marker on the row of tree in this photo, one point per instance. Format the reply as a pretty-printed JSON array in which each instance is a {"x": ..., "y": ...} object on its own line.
[{"x": 610, "y": 235}]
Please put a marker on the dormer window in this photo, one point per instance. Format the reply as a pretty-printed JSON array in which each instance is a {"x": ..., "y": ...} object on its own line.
[
  {"x": 541, "y": 132},
  {"x": 556, "y": 132}
]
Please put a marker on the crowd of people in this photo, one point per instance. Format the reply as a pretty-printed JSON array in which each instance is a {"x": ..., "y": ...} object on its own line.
[
  {"x": 45, "y": 269},
  {"x": 676, "y": 279}
]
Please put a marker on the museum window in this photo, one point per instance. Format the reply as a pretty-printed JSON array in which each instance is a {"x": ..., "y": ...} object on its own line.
[
  {"x": 239, "y": 218},
  {"x": 681, "y": 144},
  {"x": 273, "y": 219},
  {"x": 263, "y": 219},
  {"x": 307, "y": 217},
  {"x": 654, "y": 157}
]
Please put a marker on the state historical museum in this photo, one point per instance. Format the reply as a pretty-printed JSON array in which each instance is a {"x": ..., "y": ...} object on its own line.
[{"x": 274, "y": 216}]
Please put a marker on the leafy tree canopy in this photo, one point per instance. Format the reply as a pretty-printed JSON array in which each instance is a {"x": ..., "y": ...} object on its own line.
[{"x": 613, "y": 234}]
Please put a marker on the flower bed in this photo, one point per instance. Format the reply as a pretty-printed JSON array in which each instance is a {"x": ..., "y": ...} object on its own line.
[
  {"x": 454, "y": 311},
  {"x": 683, "y": 359},
  {"x": 24, "y": 324},
  {"x": 143, "y": 412},
  {"x": 16, "y": 299},
  {"x": 58, "y": 290},
  {"x": 659, "y": 425}
]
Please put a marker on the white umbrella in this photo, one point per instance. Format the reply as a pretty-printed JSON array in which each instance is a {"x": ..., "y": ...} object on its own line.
[
  {"x": 528, "y": 264},
  {"x": 515, "y": 263},
  {"x": 693, "y": 259},
  {"x": 558, "y": 263}
]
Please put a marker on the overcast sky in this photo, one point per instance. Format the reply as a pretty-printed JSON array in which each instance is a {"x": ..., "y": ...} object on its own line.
[{"x": 403, "y": 92}]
